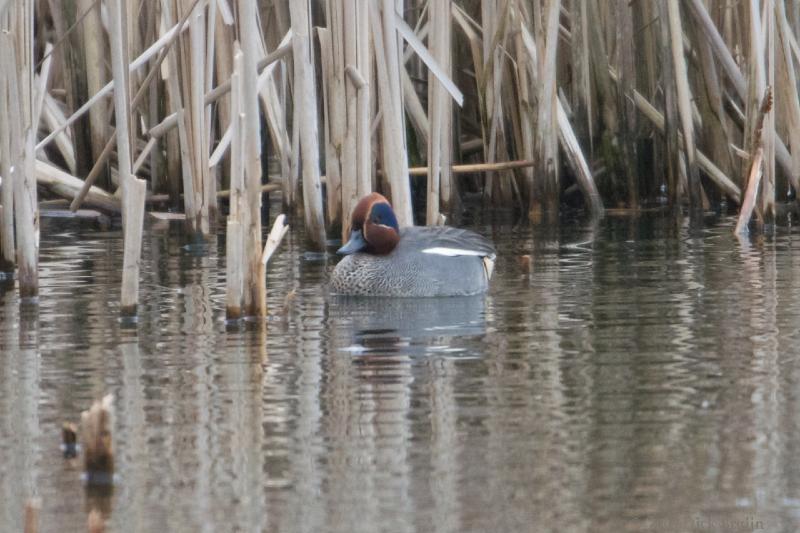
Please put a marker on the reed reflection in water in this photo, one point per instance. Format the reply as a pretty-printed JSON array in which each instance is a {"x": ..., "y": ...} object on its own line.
[{"x": 639, "y": 375}]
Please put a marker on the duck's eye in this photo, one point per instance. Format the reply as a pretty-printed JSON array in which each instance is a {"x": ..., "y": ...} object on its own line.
[{"x": 376, "y": 220}]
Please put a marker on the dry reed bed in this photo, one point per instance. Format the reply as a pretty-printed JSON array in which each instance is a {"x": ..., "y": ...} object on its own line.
[{"x": 115, "y": 104}]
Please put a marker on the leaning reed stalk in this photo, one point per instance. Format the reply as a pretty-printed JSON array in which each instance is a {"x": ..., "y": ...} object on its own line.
[{"x": 755, "y": 168}]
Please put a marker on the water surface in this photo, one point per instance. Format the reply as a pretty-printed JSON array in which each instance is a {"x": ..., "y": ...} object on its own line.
[{"x": 638, "y": 376}]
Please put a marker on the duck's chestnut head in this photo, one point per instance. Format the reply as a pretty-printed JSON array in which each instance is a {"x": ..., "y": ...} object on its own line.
[{"x": 374, "y": 227}]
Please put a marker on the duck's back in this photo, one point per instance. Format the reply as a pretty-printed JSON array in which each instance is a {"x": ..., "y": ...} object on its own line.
[{"x": 428, "y": 261}]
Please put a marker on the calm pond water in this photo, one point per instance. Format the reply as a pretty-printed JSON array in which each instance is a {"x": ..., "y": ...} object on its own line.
[{"x": 641, "y": 377}]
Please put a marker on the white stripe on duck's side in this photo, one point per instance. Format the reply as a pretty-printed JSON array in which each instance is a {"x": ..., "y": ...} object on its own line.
[
  {"x": 488, "y": 261},
  {"x": 451, "y": 252}
]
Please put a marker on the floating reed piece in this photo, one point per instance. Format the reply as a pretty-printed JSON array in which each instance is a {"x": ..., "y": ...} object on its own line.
[
  {"x": 96, "y": 441},
  {"x": 69, "y": 440},
  {"x": 32, "y": 508},
  {"x": 525, "y": 263},
  {"x": 95, "y": 522}
]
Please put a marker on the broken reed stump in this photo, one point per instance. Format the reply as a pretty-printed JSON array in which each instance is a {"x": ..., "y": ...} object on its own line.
[
  {"x": 276, "y": 235},
  {"x": 238, "y": 274},
  {"x": 96, "y": 442}
]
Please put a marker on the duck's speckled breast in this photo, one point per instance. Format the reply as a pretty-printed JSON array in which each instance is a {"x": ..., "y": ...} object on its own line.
[{"x": 408, "y": 272}]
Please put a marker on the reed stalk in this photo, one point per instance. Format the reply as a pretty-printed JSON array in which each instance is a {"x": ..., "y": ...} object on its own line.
[
  {"x": 354, "y": 87},
  {"x": 94, "y": 52},
  {"x": 133, "y": 189},
  {"x": 545, "y": 192},
  {"x": 332, "y": 57},
  {"x": 393, "y": 140},
  {"x": 17, "y": 71},
  {"x": 234, "y": 242},
  {"x": 74, "y": 68},
  {"x": 251, "y": 215},
  {"x": 787, "y": 88},
  {"x": 440, "y": 114},
  {"x": 306, "y": 101},
  {"x": 684, "y": 102},
  {"x": 360, "y": 77},
  {"x": 7, "y": 240}
]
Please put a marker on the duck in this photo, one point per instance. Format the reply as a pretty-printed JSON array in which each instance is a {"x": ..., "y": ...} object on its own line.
[{"x": 382, "y": 259}]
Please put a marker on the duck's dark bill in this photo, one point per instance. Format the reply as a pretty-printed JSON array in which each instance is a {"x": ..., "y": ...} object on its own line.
[{"x": 355, "y": 244}]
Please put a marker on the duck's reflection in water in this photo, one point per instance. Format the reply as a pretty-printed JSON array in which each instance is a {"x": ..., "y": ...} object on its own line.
[
  {"x": 392, "y": 368},
  {"x": 405, "y": 326}
]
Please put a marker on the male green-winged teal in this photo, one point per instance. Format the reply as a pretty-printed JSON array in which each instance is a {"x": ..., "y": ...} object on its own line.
[{"x": 384, "y": 260}]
